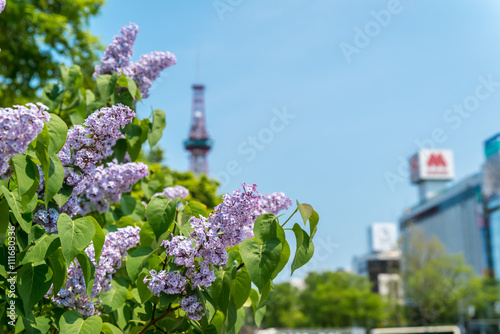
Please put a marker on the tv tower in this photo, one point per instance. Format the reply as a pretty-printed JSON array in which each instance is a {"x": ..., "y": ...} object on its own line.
[{"x": 198, "y": 144}]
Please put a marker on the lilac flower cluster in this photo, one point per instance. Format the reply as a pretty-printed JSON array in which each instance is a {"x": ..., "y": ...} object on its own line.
[
  {"x": 273, "y": 203},
  {"x": 147, "y": 69},
  {"x": 205, "y": 248},
  {"x": 111, "y": 181},
  {"x": 119, "y": 52},
  {"x": 86, "y": 147},
  {"x": 73, "y": 295},
  {"x": 2, "y": 5},
  {"x": 173, "y": 192},
  {"x": 19, "y": 126},
  {"x": 46, "y": 218},
  {"x": 193, "y": 307}
]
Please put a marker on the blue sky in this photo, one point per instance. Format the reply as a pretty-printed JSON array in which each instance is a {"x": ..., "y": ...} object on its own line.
[{"x": 351, "y": 118}]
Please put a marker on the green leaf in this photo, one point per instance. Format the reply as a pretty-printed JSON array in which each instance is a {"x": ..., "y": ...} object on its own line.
[
  {"x": 136, "y": 261},
  {"x": 142, "y": 288},
  {"x": 183, "y": 223},
  {"x": 98, "y": 239},
  {"x": 157, "y": 127},
  {"x": 221, "y": 288},
  {"x": 304, "y": 250},
  {"x": 27, "y": 176},
  {"x": 128, "y": 204},
  {"x": 266, "y": 295},
  {"x": 242, "y": 285},
  {"x": 108, "y": 328},
  {"x": 305, "y": 210},
  {"x": 198, "y": 209},
  {"x": 75, "y": 235},
  {"x": 54, "y": 180},
  {"x": 265, "y": 227},
  {"x": 63, "y": 194},
  {"x": 88, "y": 270},
  {"x": 33, "y": 283},
  {"x": 106, "y": 85},
  {"x": 57, "y": 133},
  {"x": 160, "y": 214},
  {"x": 58, "y": 265},
  {"x": 120, "y": 149},
  {"x": 313, "y": 224},
  {"x": 259, "y": 315},
  {"x": 147, "y": 236},
  {"x": 114, "y": 298},
  {"x": 261, "y": 259},
  {"x": 16, "y": 210},
  {"x": 72, "y": 322},
  {"x": 52, "y": 96},
  {"x": 285, "y": 250},
  {"x": 44, "y": 246},
  {"x": 134, "y": 143}
]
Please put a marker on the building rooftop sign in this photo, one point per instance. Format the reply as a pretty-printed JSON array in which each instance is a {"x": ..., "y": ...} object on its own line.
[{"x": 432, "y": 165}]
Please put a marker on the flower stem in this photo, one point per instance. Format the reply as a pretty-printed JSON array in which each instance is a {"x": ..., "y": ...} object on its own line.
[{"x": 290, "y": 217}]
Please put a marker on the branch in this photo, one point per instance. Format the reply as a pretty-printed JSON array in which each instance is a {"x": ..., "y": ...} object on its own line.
[
  {"x": 153, "y": 321},
  {"x": 240, "y": 266}
]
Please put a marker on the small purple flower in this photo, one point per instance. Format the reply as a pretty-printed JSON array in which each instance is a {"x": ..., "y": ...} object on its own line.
[{"x": 2, "y": 5}]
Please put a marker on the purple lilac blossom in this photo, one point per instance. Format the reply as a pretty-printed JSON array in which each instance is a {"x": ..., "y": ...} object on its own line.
[
  {"x": 74, "y": 295},
  {"x": 111, "y": 181},
  {"x": 2, "y": 5},
  {"x": 119, "y": 52},
  {"x": 19, "y": 126},
  {"x": 193, "y": 307},
  {"x": 144, "y": 71},
  {"x": 88, "y": 145},
  {"x": 205, "y": 248},
  {"x": 273, "y": 203},
  {"x": 148, "y": 68},
  {"x": 173, "y": 192}
]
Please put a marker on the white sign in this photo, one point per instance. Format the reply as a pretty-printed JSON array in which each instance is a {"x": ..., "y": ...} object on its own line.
[
  {"x": 435, "y": 165},
  {"x": 384, "y": 237}
]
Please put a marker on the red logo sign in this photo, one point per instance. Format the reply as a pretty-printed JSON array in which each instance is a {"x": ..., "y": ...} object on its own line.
[{"x": 436, "y": 160}]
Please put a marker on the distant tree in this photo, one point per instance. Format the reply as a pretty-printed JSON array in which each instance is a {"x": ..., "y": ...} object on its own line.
[
  {"x": 438, "y": 286},
  {"x": 36, "y": 36},
  {"x": 329, "y": 299},
  {"x": 487, "y": 300},
  {"x": 340, "y": 299},
  {"x": 284, "y": 311}
]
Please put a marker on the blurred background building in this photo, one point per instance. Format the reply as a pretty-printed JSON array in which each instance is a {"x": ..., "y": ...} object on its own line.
[
  {"x": 382, "y": 263},
  {"x": 464, "y": 216}
]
